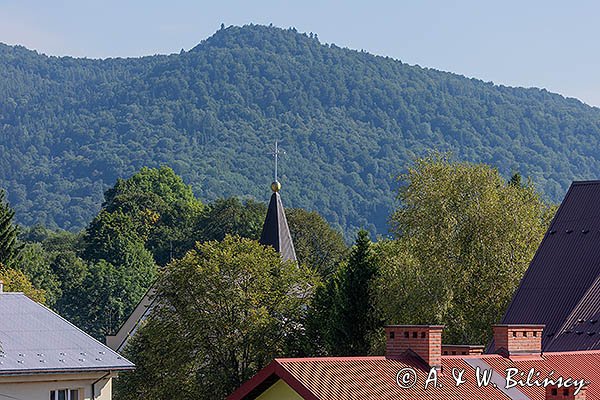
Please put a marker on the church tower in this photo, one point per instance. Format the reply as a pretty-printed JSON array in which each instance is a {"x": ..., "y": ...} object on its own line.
[{"x": 275, "y": 232}]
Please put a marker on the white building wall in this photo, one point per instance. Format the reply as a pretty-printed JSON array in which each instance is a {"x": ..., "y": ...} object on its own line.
[{"x": 39, "y": 387}]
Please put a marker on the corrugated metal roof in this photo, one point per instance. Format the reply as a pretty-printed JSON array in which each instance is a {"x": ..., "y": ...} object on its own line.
[
  {"x": 374, "y": 378},
  {"x": 578, "y": 365},
  {"x": 276, "y": 232},
  {"x": 562, "y": 285},
  {"x": 35, "y": 339}
]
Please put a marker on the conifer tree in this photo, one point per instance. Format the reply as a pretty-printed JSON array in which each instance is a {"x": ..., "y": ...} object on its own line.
[
  {"x": 9, "y": 247},
  {"x": 344, "y": 308}
]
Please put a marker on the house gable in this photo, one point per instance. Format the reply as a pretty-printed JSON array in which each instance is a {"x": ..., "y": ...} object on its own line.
[{"x": 279, "y": 391}]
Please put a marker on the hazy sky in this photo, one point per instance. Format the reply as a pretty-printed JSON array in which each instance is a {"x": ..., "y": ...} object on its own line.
[{"x": 550, "y": 44}]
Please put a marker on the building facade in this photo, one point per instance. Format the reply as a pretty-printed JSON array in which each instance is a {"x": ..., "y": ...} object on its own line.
[{"x": 43, "y": 356}]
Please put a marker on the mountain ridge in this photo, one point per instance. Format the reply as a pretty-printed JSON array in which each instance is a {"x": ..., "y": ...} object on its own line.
[{"x": 350, "y": 122}]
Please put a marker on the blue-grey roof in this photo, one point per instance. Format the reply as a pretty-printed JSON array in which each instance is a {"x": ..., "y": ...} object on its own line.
[{"x": 35, "y": 339}]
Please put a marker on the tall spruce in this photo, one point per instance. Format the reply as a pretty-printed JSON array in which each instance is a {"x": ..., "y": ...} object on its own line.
[
  {"x": 9, "y": 248},
  {"x": 350, "y": 320}
]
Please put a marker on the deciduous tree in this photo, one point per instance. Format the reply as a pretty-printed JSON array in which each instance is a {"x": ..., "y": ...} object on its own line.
[
  {"x": 464, "y": 236},
  {"x": 16, "y": 281},
  {"x": 317, "y": 244},
  {"x": 225, "y": 310}
]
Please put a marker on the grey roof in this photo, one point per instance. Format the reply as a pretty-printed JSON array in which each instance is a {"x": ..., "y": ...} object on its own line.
[
  {"x": 35, "y": 339},
  {"x": 275, "y": 230},
  {"x": 561, "y": 287}
]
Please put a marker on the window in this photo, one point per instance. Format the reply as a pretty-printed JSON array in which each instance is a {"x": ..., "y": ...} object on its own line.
[{"x": 64, "y": 394}]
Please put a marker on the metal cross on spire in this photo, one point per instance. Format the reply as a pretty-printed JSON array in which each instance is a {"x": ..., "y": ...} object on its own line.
[{"x": 276, "y": 153}]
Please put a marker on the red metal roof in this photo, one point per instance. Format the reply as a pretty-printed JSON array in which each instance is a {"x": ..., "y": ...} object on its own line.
[
  {"x": 561, "y": 287},
  {"x": 374, "y": 378}
]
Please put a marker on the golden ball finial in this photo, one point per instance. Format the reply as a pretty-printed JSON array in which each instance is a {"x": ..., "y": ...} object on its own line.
[{"x": 275, "y": 186}]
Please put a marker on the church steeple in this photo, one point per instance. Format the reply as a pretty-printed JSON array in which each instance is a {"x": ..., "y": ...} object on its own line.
[{"x": 276, "y": 232}]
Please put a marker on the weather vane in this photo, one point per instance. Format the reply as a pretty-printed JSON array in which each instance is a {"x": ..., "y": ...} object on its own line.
[{"x": 277, "y": 152}]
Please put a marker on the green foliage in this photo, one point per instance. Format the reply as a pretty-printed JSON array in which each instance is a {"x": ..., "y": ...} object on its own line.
[
  {"x": 464, "y": 238},
  {"x": 35, "y": 264},
  {"x": 73, "y": 274},
  {"x": 317, "y": 244},
  {"x": 121, "y": 270},
  {"x": 9, "y": 248},
  {"x": 107, "y": 298},
  {"x": 162, "y": 209},
  {"x": 349, "y": 120},
  {"x": 231, "y": 216},
  {"x": 16, "y": 281},
  {"x": 53, "y": 240},
  {"x": 96, "y": 278},
  {"x": 154, "y": 207},
  {"x": 343, "y": 316},
  {"x": 226, "y": 309}
]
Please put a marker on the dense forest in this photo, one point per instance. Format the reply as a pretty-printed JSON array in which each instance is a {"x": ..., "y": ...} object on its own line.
[{"x": 350, "y": 122}]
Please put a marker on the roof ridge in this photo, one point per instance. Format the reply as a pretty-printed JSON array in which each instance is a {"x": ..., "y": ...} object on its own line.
[
  {"x": 586, "y": 182},
  {"x": 335, "y": 358}
]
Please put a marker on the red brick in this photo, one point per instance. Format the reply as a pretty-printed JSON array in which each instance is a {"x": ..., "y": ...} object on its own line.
[
  {"x": 429, "y": 348},
  {"x": 509, "y": 339}
]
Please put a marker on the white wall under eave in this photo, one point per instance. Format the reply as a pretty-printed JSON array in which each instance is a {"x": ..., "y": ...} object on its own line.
[{"x": 38, "y": 387}]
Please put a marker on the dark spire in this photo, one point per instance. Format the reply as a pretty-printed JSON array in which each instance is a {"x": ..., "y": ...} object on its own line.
[{"x": 276, "y": 232}]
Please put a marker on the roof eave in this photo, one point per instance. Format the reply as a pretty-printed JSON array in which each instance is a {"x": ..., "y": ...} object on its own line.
[{"x": 65, "y": 370}]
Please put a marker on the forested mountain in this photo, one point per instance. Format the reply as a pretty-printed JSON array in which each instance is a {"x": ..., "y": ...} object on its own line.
[{"x": 348, "y": 120}]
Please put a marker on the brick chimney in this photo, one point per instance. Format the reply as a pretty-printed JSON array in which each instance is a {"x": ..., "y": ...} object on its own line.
[
  {"x": 518, "y": 339},
  {"x": 556, "y": 393},
  {"x": 424, "y": 340}
]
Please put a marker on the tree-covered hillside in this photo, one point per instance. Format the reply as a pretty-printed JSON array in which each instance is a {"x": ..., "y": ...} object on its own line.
[{"x": 349, "y": 121}]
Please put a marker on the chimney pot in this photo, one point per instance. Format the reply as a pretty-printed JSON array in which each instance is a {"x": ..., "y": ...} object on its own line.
[{"x": 424, "y": 340}]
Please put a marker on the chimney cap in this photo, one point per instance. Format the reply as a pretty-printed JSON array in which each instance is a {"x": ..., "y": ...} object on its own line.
[
  {"x": 416, "y": 326},
  {"x": 535, "y": 326}
]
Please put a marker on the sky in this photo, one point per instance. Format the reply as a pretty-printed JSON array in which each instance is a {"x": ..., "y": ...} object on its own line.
[{"x": 548, "y": 44}]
